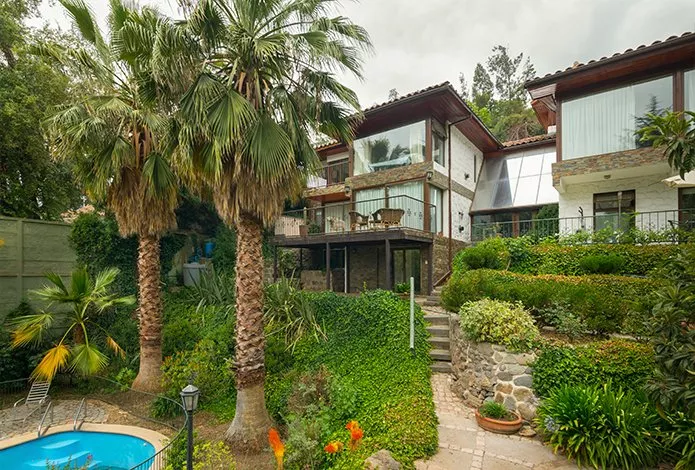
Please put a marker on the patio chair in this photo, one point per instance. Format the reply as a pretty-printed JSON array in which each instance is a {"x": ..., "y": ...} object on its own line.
[
  {"x": 358, "y": 220},
  {"x": 336, "y": 224},
  {"x": 37, "y": 397},
  {"x": 389, "y": 217}
]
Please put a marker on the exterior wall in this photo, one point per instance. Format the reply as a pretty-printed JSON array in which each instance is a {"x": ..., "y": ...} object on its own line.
[
  {"x": 463, "y": 156},
  {"x": 337, "y": 156},
  {"x": 394, "y": 175},
  {"x": 441, "y": 255},
  {"x": 461, "y": 206},
  {"x": 650, "y": 195},
  {"x": 366, "y": 267}
]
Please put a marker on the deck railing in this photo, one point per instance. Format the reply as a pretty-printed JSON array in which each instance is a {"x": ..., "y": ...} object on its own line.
[
  {"x": 357, "y": 216},
  {"x": 670, "y": 226},
  {"x": 328, "y": 175}
]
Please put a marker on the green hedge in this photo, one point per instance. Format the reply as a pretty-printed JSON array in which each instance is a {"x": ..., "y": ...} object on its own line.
[
  {"x": 626, "y": 364},
  {"x": 604, "y": 302}
]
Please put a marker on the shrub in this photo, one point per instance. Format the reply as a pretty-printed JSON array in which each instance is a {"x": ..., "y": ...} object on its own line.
[
  {"x": 561, "y": 317},
  {"x": 603, "y": 302},
  {"x": 454, "y": 293},
  {"x": 626, "y": 364},
  {"x": 602, "y": 264},
  {"x": 679, "y": 439},
  {"x": 601, "y": 427},
  {"x": 498, "y": 322},
  {"x": 224, "y": 252},
  {"x": 488, "y": 254}
]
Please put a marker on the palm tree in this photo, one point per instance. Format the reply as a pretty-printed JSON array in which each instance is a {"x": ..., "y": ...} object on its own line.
[
  {"x": 116, "y": 136},
  {"x": 87, "y": 299},
  {"x": 265, "y": 87}
]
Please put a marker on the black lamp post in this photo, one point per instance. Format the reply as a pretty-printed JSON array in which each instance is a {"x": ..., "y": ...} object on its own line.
[{"x": 189, "y": 397}]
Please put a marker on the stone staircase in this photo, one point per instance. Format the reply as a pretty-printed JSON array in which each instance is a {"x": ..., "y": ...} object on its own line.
[
  {"x": 438, "y": 327},
  {"x": 435, "y": 299}
]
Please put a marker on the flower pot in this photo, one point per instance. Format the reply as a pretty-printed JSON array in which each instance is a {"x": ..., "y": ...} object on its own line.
[
  {"x": 499, "y": 426},
  {"x": 303, "y": 230}
]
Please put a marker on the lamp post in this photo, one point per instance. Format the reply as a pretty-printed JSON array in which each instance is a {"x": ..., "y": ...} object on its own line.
[{"x": 189, "y": 397}]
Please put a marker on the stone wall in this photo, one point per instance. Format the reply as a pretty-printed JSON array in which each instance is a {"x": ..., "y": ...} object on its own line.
[
  {"x": 313, "y": 280},
  {"x": 485, "y": 371},
  {"x": 441, "y": 255}
]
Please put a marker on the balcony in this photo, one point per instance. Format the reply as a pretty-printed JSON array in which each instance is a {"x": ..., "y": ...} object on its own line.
[
  {"x": 359, "y": 219},
  {"x": 329, "y": 175},
  {"x": 672, "y": 226}
]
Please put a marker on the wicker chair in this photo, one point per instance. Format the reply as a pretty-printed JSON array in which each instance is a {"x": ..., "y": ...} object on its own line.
[
  {"x": 389, "y": 217},
  {"x": 358, "y": 220}
]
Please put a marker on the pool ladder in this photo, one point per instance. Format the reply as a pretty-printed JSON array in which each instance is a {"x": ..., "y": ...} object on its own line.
[
  {"x": 45, "y": 413},
  {"x": 75, "y": 426}
]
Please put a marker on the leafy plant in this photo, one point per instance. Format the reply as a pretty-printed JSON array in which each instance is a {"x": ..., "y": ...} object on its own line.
[
  {"x": 679, "y": 438},
  {"x": 491, "y": 253},
  {"x": 602, "y": 264},
  {"x": 214, "y": 289},
  {"x": 125, "y": 377},
  {"x": 402, "y": 288},
  {"x": 561, "y": 317},
  {"x": 494, "y": 410},
  {"x": 77, "y": 349},
  {"x": 498, "y": 322},
  {"x": 289, "y": 313},
  {"x": 601, "y": 427}
]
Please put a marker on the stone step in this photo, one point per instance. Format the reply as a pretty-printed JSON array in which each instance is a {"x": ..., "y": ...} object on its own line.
[
  {"x": 439, "y": 331},
  {"x": 434, "y": 298},
  {"x": 431, "y": 303},
  {"x": 440, "y": 355},
  {"x": 439, "y": 366},
  {"x": 435, "y": 319},
  {"x": 440, "y": 343}
]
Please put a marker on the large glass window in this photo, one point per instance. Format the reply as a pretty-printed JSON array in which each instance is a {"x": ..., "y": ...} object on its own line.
[
  {"x": 689, "y": 85},
  {"x": 436, "y": 209},
  {"x": 606, "y": 122},
  {"x": 391, "y": 149},
  {"x": 516, "y": 180},
  {"x": 614, "y": 211},
  {"x": 438, "y": 149}
]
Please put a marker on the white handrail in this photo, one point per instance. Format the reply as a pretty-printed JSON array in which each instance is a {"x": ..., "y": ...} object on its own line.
[
  {"x": 50, "y": 407},
  {"x": 77, "y": 415}
]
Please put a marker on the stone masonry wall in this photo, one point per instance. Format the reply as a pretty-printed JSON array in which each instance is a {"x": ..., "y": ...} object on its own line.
[{"x": 485, "y": 371}]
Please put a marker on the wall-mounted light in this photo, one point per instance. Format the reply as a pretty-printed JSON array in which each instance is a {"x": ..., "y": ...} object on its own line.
[
  {"x": 429, "y": 174},
  {"x": 466, "y": 176},
  {"x": 606, "y": 177},
  {"x": 348, "y": 190}
]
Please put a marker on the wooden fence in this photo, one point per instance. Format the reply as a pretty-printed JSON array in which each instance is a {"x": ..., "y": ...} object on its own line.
[{"x": 29, "y": 249}]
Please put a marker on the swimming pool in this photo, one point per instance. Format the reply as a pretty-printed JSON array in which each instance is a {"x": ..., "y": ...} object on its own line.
[{"x": 104, "y": 451}]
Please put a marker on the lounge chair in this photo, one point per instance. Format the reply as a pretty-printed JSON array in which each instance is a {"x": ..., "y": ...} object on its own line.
[
  {"x": 358, "y": 220},
  {"x": 37, "y": 397},
  {"x": 388, "y": 217}
]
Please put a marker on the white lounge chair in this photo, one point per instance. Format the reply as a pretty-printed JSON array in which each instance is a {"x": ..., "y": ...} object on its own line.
[{"x": 37, "y": 397}]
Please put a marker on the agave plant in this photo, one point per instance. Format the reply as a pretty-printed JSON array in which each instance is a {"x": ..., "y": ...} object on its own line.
[{"x": 77, "y": 348}]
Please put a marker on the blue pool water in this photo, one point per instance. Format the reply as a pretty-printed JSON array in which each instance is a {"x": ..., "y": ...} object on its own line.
[{"x": 105, "y": 451}]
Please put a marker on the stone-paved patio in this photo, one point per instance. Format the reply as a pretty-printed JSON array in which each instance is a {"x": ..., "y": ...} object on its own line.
[{"x": 463, "y": 445}]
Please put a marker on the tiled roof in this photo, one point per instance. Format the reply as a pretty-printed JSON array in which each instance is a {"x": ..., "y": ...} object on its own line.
[
  {"x": 409, "y": 95},
  {"x": 529, "y": 140},
  {"x": 640, "y": 48},
  {"x": 327, "y": 145}
]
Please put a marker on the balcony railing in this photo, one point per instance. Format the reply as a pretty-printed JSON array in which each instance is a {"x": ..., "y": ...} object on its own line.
[
  {"x": 334, "y": 173},
  {"x": 641, "y": 227},
  {"x": 356, "y": 216}
]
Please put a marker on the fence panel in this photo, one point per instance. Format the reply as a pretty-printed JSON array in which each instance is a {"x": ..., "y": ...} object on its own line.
[{"x": 30, "y": 248}]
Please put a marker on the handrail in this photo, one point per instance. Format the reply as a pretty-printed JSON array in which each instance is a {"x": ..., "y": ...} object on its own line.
[
  {"x": 45, "y": 413},
  {"x": 77, "y": 415},
  {"x": 443, "y": 279}
]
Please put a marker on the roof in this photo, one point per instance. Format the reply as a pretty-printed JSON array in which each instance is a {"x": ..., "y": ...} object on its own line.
[
  {"x": 529, "y": 140},
  {"x": 409, "y": 95},
  {"x": 578, "y": 66}
]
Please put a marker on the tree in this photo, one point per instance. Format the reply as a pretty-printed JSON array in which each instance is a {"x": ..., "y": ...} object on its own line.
[
  {"x": 117, "y": 138},
  {"x": 265, "y": 85},
  {"x": 463, "y": 87},
  {"x": 31, "y": 184},
  {"x": 509, "y": 74},
  {"x": 482, "y": 87},
  {"x": 673, "y": 132},
  {"x": 393, "y": 94},
  {"x": 77, "y": 349}
]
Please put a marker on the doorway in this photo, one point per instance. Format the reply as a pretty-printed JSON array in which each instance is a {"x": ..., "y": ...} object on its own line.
[{"x": 406, "y": 264}]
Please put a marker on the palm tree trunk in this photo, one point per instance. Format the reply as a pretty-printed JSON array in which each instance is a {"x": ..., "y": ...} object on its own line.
[
  {"x": 249, "y": 430},
  {"x": 150, "y": 313}
]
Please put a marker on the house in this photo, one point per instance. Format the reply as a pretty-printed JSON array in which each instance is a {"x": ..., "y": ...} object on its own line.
[
  {"x": 396, "y": 202},
  {"x": 424, "y": 176}
]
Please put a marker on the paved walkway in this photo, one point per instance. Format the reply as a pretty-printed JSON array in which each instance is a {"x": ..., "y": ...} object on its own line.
[{"x": 463, "y": 445}]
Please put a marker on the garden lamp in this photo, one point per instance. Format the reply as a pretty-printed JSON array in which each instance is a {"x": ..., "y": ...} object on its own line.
[{"x": 189, "y": 397}]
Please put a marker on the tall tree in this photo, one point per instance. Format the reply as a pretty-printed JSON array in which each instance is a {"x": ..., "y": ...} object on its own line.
[
  {"x": 31, "y": 185},
  {"x": 509, "y": 73},
  {"x": 393, "y": 94},
  {"x": 265, "y": 86},
  {"x": 482, "y": 87},
  {"x": 463, "y": 87},
  {"x": 117, "y": 139}
]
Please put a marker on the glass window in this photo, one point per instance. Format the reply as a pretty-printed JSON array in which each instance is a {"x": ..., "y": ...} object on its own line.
[
  {"x": 517, "y": 179},
  {"x": 686, "y": 218},
  {"x": 689, "y": 85},
  {"x": 438, "y": 149},
  {"x": 436, "y": 209},
  {"x": 606, "y": 122},
  {"x": 614, "y": 210},
  {"x": 391, "y": 149},
  {"x": 410, "y": 198}
]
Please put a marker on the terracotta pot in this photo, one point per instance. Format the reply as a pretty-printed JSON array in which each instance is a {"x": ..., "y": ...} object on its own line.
[
  {"x": 498, "y": 426},
  {"x": 303, "y": 230}
]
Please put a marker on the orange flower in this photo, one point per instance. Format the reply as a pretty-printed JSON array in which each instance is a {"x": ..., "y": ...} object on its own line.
[
  {"x": 356, "y": 433},
  {"x": 333, "y": 447},
  {"x": 277, "y": 445}
]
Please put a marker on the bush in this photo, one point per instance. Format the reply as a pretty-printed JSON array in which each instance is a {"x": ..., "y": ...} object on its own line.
[
  {"x": 488, "y": 254},
  {"x": 224, "y": 252},
  {"x": 679, "y": 439},
  {"x": 626, "y": 364},
  {"x": 498, "y": 322},
  {"x": 565, "y": 322},
  {"x": 454, "y": 293},
  {"x": 601, "y": 427},
  {"x": 602, "y": 264},
  {"x": 602, "y": 302}
]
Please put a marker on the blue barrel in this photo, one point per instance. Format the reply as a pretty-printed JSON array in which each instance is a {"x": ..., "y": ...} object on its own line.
[{"x": 209, "y": 246}]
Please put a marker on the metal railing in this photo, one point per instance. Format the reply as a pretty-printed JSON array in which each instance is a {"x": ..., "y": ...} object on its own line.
[
  {"x": 45, "y": 413},
  {"x": 354, "y": 216},
  {"x": 672, "y": 226},
  {"x": 328, "y": 175},
  {"x": 77, "y": 415}
]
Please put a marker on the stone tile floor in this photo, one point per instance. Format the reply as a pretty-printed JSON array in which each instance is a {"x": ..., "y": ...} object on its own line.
[{"x": 463, "y": 445}]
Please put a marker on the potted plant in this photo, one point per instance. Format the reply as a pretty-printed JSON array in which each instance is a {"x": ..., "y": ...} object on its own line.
[
  {"x": 402, "y": 289},
  {"x": 495, "y": 417},
  {"x": 303, "y": 230},
  {"x": 314, "y": 228}
]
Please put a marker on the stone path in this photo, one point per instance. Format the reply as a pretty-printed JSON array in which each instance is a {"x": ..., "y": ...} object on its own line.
[{"x": 463, "y": 445}]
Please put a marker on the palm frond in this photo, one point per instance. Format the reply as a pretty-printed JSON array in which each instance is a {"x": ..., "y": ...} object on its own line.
[
  {"x": 115, "y": 347},
  {"x": 30, "y": 328},
  {"x": 87, "y": 359},
  {"x": 52, "y": 362}
]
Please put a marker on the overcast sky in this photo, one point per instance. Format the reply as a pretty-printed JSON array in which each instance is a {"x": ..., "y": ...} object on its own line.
[{"x": 423, "y": 42}]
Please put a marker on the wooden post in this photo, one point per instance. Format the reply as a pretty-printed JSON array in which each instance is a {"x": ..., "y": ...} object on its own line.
[
  {"x": 20, "y": 260},
  {"x": 347, "y": 269},
  {"x": 430, "y": 268},
  {"x": 328, "y": 267},
  {"x": 389, "y": 276}
]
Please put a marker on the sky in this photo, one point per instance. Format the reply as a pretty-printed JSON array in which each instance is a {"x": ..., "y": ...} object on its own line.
[{"x": 418, "y": 43}]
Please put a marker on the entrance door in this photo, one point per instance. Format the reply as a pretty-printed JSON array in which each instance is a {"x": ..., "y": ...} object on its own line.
[{"x": 406, "y": 263}]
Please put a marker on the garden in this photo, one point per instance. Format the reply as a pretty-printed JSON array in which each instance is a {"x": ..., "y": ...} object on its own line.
[{"x": 610, "y": 333}]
